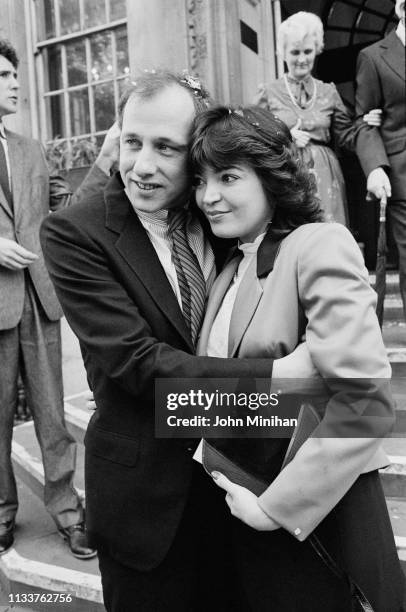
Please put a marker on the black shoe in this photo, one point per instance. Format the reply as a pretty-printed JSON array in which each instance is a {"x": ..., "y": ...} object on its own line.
[
  {"x": 76, "y": 537},
  {"x": 6, "y": 536}
]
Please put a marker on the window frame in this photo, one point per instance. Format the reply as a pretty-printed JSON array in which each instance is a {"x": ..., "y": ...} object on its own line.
[{"x": 41, "y": 64}]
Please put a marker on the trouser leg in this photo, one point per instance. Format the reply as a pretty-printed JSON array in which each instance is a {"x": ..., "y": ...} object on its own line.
[
  {"x": 397, "y": 213},
  {"x": 42, "y": 374},
  {"x": 197, "y": 573},
  {"x": 9, "y": 359}
]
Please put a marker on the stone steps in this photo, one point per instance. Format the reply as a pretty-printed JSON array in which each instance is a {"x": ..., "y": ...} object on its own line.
[
  {"x": 394, "y": 476},
  {"x": 29, "y": 469},
  {"x": 393, "y": 309},
  {"x": 40, "y": 561}
]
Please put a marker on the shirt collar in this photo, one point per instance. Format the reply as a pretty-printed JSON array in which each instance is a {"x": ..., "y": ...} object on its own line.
[
  {"x": 155, "y": 220},
  {"x": 2, "y": 130},
  {"x": 158, "y": 218},
  {"x": 296, "y": 86},
  {"x": 307, "y": 80},
  {"x": 400, "y": 31},
  {"x": 250, "y": 248}
]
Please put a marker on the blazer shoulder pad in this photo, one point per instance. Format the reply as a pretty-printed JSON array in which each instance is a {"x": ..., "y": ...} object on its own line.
[{"x": 320, "y": 232}]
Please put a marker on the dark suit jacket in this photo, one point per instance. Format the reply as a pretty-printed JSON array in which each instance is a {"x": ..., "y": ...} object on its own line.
[
  {"x": 381, "y": 83},
  {"x": 34, "y": 195},
  {"x": 119, "y": 302}
]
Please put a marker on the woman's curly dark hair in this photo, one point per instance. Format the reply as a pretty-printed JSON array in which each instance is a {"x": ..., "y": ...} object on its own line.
[{"x": 223, "y": 137}]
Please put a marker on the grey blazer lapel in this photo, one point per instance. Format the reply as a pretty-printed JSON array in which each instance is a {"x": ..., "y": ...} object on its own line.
[
  {"x": 246, "y": 302},
  {"x": 393, "y": 54},
  {"x": 16, "y": 156},
  {"x": 4, "y": 203},
  {"x": 216, "y": 296}
]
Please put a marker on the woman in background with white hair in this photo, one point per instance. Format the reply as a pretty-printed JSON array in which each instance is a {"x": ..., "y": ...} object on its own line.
[{"x": 313, "y": 110}]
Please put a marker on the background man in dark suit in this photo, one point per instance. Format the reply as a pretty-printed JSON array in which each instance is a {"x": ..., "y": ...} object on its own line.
[
  {"x": 159, "y": 525},
  {"x": 381, "y": 83},
  {"x": 29, "y": 324}
]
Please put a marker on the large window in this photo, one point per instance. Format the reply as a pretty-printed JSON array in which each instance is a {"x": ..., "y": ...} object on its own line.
[{"x": 82, "y": 66}]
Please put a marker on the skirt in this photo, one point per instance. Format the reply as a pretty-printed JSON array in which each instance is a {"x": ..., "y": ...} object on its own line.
[{"x": 280, "y": 574}]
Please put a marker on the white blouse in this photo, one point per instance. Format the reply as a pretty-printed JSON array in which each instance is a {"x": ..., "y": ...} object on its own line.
[{"x": 217, "y": 345}]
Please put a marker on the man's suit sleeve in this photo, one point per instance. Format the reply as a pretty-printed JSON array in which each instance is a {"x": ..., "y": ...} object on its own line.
[
  {"x": 342, "y": 125},
  {"x": 369, "y": 145},
  {"x": 93, "y": 184},
  {"x": 108, "y": 323},
  {"x": 60, "y": 193},
  {"x": 345, "y": 344}
]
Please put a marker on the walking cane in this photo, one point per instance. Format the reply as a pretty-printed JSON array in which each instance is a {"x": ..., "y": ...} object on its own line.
[{"x": 380, "y": 273}]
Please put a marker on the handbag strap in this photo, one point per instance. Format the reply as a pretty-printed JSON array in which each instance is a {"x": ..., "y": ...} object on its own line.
[{"x": 356, "y": 592}]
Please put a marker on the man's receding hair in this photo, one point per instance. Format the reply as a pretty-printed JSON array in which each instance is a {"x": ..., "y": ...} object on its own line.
[
  {"x": 149, "y": 83},
  {"x": 7, "y": 50}
]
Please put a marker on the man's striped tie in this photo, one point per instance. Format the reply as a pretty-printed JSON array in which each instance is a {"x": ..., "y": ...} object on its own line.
[{"x": 190, "y": 276}]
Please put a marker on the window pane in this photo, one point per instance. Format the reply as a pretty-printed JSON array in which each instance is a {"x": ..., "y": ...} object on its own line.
[
  {"x": 118, "y": 9},
  {"x": 55, "y": 116},
  {"x": 76, "y": 63},
  {"x": 54, "y": 60},
  {"x": 104, "y": 106},
  {"x": 371, "y": 22},
  {"x": 342, "y": 15},
  {"x": 102, "y": 57},
  {"x": 45, "y": 19},
  {"x": 122, "y": 52},
  {"x": 79, "y": 112},
  {"x": 361, "y": 38},
  {"x": 69, "y": 16},
  {"x": 94, "y": 12},
  {"x": 382, "y": 6},
  {"x": 334, "y": 40}
]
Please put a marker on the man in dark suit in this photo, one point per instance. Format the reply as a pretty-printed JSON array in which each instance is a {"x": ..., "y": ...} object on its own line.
[
  {"x": 159, "y": 525},
  {"x": 381, "y": 83},
  {"x": 29, "y": 324}
]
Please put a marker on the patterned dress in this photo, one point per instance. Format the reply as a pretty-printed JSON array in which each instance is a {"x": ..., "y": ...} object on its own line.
[{"x": 324, "y": 115}]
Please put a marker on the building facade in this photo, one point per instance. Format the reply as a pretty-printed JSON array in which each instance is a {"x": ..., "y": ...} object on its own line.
[{"x": 77, "y": 55}]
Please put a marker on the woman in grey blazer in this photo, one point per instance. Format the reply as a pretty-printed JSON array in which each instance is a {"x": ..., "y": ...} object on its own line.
[{"x": 294, "y": 278}]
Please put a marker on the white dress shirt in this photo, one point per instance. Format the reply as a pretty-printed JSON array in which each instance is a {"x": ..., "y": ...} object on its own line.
[
  {"x": 400, "y": 31},
  {"x": 156, "y": 226},
  {"x": 3, "y": 141},
  {"x": 217, "y": 344}
]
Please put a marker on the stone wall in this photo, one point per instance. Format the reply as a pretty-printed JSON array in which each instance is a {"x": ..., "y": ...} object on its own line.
[{"x": 12, "y": 27}]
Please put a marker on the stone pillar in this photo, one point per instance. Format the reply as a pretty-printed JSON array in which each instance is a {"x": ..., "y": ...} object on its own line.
[
  {"x": 157, "y": 34},
  {"x": 230, "y": 70},
  {"x": 223, "y": 51}
]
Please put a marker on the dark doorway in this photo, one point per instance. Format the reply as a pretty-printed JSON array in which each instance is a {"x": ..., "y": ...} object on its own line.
[{"x": 349, "y": 26}]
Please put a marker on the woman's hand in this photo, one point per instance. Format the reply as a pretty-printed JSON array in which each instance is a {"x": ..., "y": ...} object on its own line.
[
  {"x": 261, "y": 97},
  {"x": 374, "y": 117},
  {"x": 244, "y": 505},
  {"x": 110, "y": 150},
  {"x": 90, "y": 403},
  {"x": 300, "y": 137}
]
